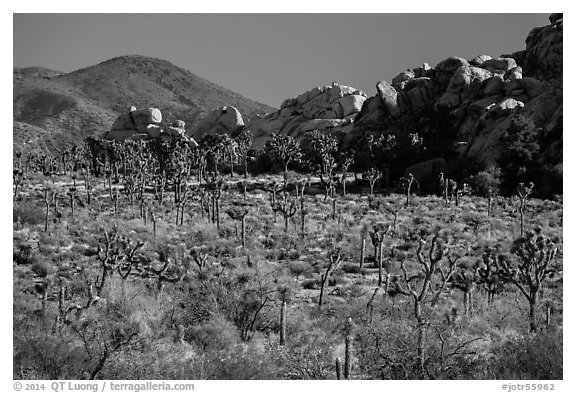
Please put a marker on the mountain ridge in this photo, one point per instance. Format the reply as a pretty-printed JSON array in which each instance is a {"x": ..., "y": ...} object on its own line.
[{"x": 71, "y": 106}]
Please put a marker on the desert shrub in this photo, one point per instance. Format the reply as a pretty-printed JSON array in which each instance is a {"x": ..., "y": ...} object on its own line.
[
  {"x": 214, "y": 335},
  {"x": 24, "y": 254},
  {"x": 28, "y": 213},
  {"x": 534, "y": 356},
  {"x": 298, "y": 267},
  {"x": 41, "y": 268},
  {"x": 351, "y": 268},
  {"x": 311, "y": 284}
]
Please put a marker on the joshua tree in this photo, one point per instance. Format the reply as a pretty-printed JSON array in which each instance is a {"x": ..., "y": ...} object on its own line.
[
  {"x": 346, "y": 162},
  {"x": 186, "y": 193},
  {"x": 115, "y": 198},
  {"x": 239, "y": 213},
  {"x": 335, "y": 259},
  {"x": 448, "y": 187},
  {"x": 164, "y": 274},
  {"x": 48, "y": 201},
  {"x": 303, "y": 214},
  {"x": 348, "y": 330},
  {"x": 436, "y": 270},
  {"x": 274, "y": 187},
  {"x": 153, "y": 217},
  {"x": 287, "y": 209},
  {"x": 285, "y": 297},
  {"x": 533, "y": 266},
  {"x": 215, "y": 185},
  {"x": 377, "y": 235},
  {"x": 200, "y": 256},
  {"x": 159, "y": 182},
  {"x": 523, "y": 192},
  {"x": 487, "y": 184},
  {"x": 465, "y": 278},
  {"x": 72, "y": 194},
  {"x": 461, "y": 191},
  {"x": 116, "y": 249},
  {"x": 17, "y": 177},
  {"x": 363, "y": 232},
  {"x": 372, "y": 175},
  {"x": 407, "y": 186},
  {"x": 490, "y": 275},
  {"x": 284, "y": 150},
  {"x": 244, "y": 143}
]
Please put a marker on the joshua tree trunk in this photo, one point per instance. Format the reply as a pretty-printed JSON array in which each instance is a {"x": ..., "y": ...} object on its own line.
[
  {"x": 283, "y": 323},
  {"x": 533, "y": 302},
  {"x": 72, "y": 205},
  {"x": 47, "y": 214},
  {"x": 334, "y": 208},
  {"x": 380, "y": 251},
  {"x": 338, "y": 369},
  {"x": 244, "y": 231},
  {"x": 521, "y": 221},
  {"x": 362, "y": 252},
  {"x": 421, "y": 346},
  {"x": 218, "y": 213},
  {"x": 348, "y": 357}
]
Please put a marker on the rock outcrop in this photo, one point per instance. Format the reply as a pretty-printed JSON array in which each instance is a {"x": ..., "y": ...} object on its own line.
[
  {"x": 473, "y": 101},
  {"x": 329, "y": 108},
  {"x": 145, "y": 124},
  {"x": 226, "y": 119}
]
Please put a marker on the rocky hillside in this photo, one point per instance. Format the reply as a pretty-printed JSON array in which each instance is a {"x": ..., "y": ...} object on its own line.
[
  {"x": 63, "y": 108},
  {"x": 464, "y": 108},
  {"x": 330, "y": 109}
]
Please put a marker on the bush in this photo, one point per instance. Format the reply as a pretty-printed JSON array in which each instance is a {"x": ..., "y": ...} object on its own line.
[
  {"x": 535, "y": 356},
  {"x": 311, "y": 284},
  {"x": 216, "y": 334},
  {"x": 24, "y": 254},
  {"x": 28, "y": 213}
]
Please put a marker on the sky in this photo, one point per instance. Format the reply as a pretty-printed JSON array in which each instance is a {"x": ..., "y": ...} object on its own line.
[{"x": 270, "y": 57}]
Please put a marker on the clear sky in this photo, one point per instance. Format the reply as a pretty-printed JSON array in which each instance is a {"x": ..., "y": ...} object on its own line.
[{"x": 270, "y": 57}]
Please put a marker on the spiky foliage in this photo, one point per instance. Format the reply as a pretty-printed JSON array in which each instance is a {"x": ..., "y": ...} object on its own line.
[{"x": 533, "y": 264}]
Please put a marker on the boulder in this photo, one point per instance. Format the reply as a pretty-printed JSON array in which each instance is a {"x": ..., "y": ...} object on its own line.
[
  {"x": 533, "y": 87},
  {"x": 493, "y": 85},
  {"x": 151, "y": 130},
  {"x": 178, "y": 124},
  {"x": 465, "y": 83},
  {"x": 349, "y": 105},
  {"x": 422, "y": 71},
  {"x": 388, "y": 96},
  {"x": 499, "y": 65},
  {"x": 417, "y": 95},
  {"x": 514, "y": 73},
  {"x": 226, "y": 119},
  {"x": 504, "y": 108},
  {"x": 400, "y": 80},
  {"x": 479, "y": 60},
  {"x": 135, "y": 118},
  {"x": 446, "y": 68},
  {"x": 146, "y": 116}
]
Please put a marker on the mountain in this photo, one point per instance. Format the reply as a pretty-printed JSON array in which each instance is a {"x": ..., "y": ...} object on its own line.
[{"x": 60, "y": 109}]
